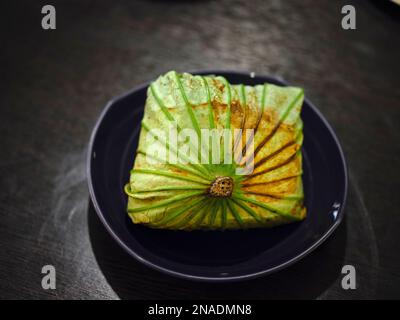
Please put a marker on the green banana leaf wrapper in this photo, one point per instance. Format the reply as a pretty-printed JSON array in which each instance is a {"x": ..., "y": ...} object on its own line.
[{"x": 249, "y": 174}]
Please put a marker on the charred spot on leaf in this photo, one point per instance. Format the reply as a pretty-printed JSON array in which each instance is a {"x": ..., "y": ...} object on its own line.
[
  {"x": 218, "y": 105},
  {"x": 237, "y": 114},
  {"x": 236, "y": 107},
  {"x": 218, "y": 84},
  {"x": 221, "y": 187},
  {"x": 270, "y": 115}
]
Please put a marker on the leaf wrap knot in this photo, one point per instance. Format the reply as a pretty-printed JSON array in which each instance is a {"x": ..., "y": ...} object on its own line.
[{"x": 221, "y": 187}]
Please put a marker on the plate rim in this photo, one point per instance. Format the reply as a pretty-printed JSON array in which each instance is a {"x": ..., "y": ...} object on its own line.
[{"x": 187, "y": 276}]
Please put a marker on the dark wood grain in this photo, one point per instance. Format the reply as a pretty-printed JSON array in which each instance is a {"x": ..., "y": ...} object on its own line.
[{"x": 55, "y": 83}]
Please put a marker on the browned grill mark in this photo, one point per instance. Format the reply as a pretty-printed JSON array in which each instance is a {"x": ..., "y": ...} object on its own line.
[
  {"x": 273, "y": 196},
  {"x": 268, "y": 119},
  {"x": 267, "y": 138},
  {"x": 265, "y": 159},
  {"x": 272, "y": 168},
  {"x": 247, "y": 185}
]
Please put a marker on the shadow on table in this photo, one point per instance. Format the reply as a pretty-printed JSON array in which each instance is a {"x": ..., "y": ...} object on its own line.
[{"x": 307, "y": 279}]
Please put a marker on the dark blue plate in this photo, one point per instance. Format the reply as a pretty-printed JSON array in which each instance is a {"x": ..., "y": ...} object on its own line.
[{"x": 214, "y": 255}]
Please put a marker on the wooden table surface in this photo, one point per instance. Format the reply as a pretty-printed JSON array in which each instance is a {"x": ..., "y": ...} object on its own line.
[{"x": 54, "y": 84}]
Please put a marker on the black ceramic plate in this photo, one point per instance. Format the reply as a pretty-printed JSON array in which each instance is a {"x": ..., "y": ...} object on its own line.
[{"x": 214, "y": 255}]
